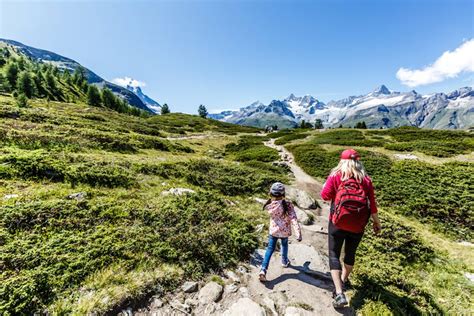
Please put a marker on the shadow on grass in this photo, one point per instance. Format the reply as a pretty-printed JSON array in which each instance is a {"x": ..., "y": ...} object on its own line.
[{"x": 370, "y": 289}]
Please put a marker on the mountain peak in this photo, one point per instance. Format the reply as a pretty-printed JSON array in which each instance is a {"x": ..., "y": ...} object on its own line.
[
  {"x": 291, "y": 97},
  {"x": 382, "y": 89}
]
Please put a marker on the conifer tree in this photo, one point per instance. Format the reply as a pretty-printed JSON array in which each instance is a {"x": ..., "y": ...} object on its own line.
[
  {"x": 202, "y": 111},
  {"x": 11, "y": 72},
  {"x": 318, "y": 124},
  {"x": 25, "y": 84},
  {"x": 108, "y": 99},
  {"x": 93, "y": 96},
  {"x": 165, "y": 109}
]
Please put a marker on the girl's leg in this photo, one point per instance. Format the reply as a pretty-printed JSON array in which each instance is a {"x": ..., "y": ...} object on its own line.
[
  {"x": 268, "y": 253},
  {"x": 351, "y": 243},
  {"x": 284, "y": 250},
  {"x": 335, "y": 241}
]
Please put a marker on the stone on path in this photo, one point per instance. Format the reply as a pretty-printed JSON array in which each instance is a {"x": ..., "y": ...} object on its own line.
[
  {"x": 189, "y": 287},
  {"x": 211, "y": 292},
  {"x": 301, "y": 198},
  {"x": 79, "y": 196},
  {"x": 297, "y": 311},
  {"x": 303, "y": 217},
  {"x": 245, "y": 307},
  {"x": 232, "y": 276}
]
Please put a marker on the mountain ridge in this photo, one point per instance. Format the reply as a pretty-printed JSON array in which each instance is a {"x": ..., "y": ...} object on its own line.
[
  {"x": 380, "y": 108},
  {"x": 142, "y": 102}
]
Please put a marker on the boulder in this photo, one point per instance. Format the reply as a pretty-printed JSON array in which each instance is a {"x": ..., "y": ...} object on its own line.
[
  {"x": 211, "y": 292},
  {"x": 10, "y": 196},
  {"x": 178, "y": 191},
  {"x": 189, "y": 287},
  {"x": 232, "y": 276},
  {"x": 231, "y": 288},
  {"x": 156, "y": 303},
  {"x": 303, "y": 217},
  {"x": 245, "y": 307},
  {"x": 301, "y": 198}
]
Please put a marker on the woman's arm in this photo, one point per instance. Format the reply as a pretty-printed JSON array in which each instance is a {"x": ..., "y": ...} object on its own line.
[
  {"x": 376, "y": 225},
  {"x": 329, "y": 191}
]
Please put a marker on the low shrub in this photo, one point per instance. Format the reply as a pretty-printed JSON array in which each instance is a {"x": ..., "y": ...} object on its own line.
[{"x": 290, "y": 137}]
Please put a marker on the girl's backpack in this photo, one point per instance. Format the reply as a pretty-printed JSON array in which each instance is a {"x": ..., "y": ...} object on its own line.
[{"x": 351, "y": 203}]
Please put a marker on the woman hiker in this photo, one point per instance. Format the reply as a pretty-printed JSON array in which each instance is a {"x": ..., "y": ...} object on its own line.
[{"x": 350, "y": 190}]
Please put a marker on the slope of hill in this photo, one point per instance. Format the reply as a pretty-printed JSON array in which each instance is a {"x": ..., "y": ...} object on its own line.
[
  {"x": 380, "y": 108},
  {"x": 64, "y": 63}
]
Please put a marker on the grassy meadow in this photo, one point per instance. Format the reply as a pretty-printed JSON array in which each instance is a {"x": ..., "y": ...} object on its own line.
[
  {"x": 426, "y": 206},
  {"x": 120, "y": 239}
]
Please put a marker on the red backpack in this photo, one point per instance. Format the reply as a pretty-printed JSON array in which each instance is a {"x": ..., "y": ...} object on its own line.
[{"x": 351, "y": 203}]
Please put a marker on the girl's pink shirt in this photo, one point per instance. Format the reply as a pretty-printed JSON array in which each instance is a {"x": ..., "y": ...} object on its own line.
[{"x": 280, "y": 225}]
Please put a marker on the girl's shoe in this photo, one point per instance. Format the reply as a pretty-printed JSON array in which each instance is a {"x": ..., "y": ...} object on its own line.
[
  {"x": 339, "y": 301},
  {"x": 262, "y": 276},
  {"x": 286, "y": 264}
]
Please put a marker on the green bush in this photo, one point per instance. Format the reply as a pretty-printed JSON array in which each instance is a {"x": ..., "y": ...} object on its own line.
[
  {"x": 345, "y": 137},
  {"x": 288, "y": 138},
  {"x": 251, "y": 148},
  {"x": 48, "y": 247}
]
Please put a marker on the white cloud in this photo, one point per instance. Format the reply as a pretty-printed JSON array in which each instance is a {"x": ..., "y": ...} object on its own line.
[
  {"x": 449, "y": 65},
  {"x": 127, "y": 81}
]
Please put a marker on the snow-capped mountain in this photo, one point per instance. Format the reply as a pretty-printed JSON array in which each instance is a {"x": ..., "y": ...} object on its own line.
[
  {"x": 69, "y": 64},
  {"x": 379, "y": 108},
  {"x": 131, "y": 85}
]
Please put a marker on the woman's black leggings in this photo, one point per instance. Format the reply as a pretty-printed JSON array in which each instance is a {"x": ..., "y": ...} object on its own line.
[{"x": 336, "y": 237}]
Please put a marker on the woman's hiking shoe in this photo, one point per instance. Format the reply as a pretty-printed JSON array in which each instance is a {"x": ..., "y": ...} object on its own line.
[
  {"x": 262, "y": 276},
  {"x": 339, "y": 300},
  {"x": 286, "y": 264}
]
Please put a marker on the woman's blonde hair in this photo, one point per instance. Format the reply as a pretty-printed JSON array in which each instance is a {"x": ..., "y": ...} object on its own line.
[{"x": 349, "y": 168}]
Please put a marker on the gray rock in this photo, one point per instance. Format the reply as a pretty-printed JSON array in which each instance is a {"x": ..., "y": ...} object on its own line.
[
  {"x": 244, "y": 291},
  {"x": 242, "y": 269},
  {"x": 259, "y": 228},
  {"x": 303, "y": 217},
  {"x": 79, "y": 196},
  {"x": 270, "y": 304},
  {"x": 189, "y": 287},
  {"x": 245, "y": 307},
  {"x": 178, "y": 191},
  {"x": 232, "y": 276},
  {"x": 469, "y": 276},
  {"x": 231, "y": 288},
  {"x": 211, "y": 292},
  {"x": 297, "y": 311},
  {"x": 181, "y": 307},
  {"x": 301, "y": 198},
  {"x": 10, "y": 196},
  {"x": 191, "y": 302},
  {"x": 156, "y": 303}
]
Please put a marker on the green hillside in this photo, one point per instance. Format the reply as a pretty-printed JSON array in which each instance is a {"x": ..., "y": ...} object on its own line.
[
  {"x": 81, "y": 204},
  {"x": 417, "y": 266}
]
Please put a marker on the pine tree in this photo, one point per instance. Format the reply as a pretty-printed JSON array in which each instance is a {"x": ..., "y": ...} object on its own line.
[
  {"x": 340, "y": 126},
  {"x": 165, "y": 109},
  {"x": 11, "y": 72},
  {"x": 25, "y": 84},
  {"x": 363, "y": 125},
  {"x": 302, "y": 124},
  {"x": 202, "y": 111},
  {"x": 108, "y": 99},
  {"x": 79, "y": 75},
  {"x": 93, "y": 96},
  {"x": 318, "y": 124},
  {"x": 21, "y": 100}
]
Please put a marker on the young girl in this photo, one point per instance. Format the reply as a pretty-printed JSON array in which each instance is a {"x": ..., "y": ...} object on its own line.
[
  {"x": 282, "y": 216},
  {"x": 352, "y": 197}
]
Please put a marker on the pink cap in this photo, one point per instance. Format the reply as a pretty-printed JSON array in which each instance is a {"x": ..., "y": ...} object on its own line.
[{"x": 350, "y": 154}]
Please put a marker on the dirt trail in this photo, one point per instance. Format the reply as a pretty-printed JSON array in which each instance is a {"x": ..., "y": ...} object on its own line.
[
  {"x": 306, "y": 281},
  {"x": 304, "y": 288}
]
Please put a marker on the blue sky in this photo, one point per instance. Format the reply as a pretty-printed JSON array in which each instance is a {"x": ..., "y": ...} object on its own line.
[{"x": 227, "y": 54}]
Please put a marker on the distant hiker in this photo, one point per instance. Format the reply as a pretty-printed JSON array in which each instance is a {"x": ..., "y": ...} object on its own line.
[
  {"x": 352, "y": 197},
  {"x": 282, "y": 217}
]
